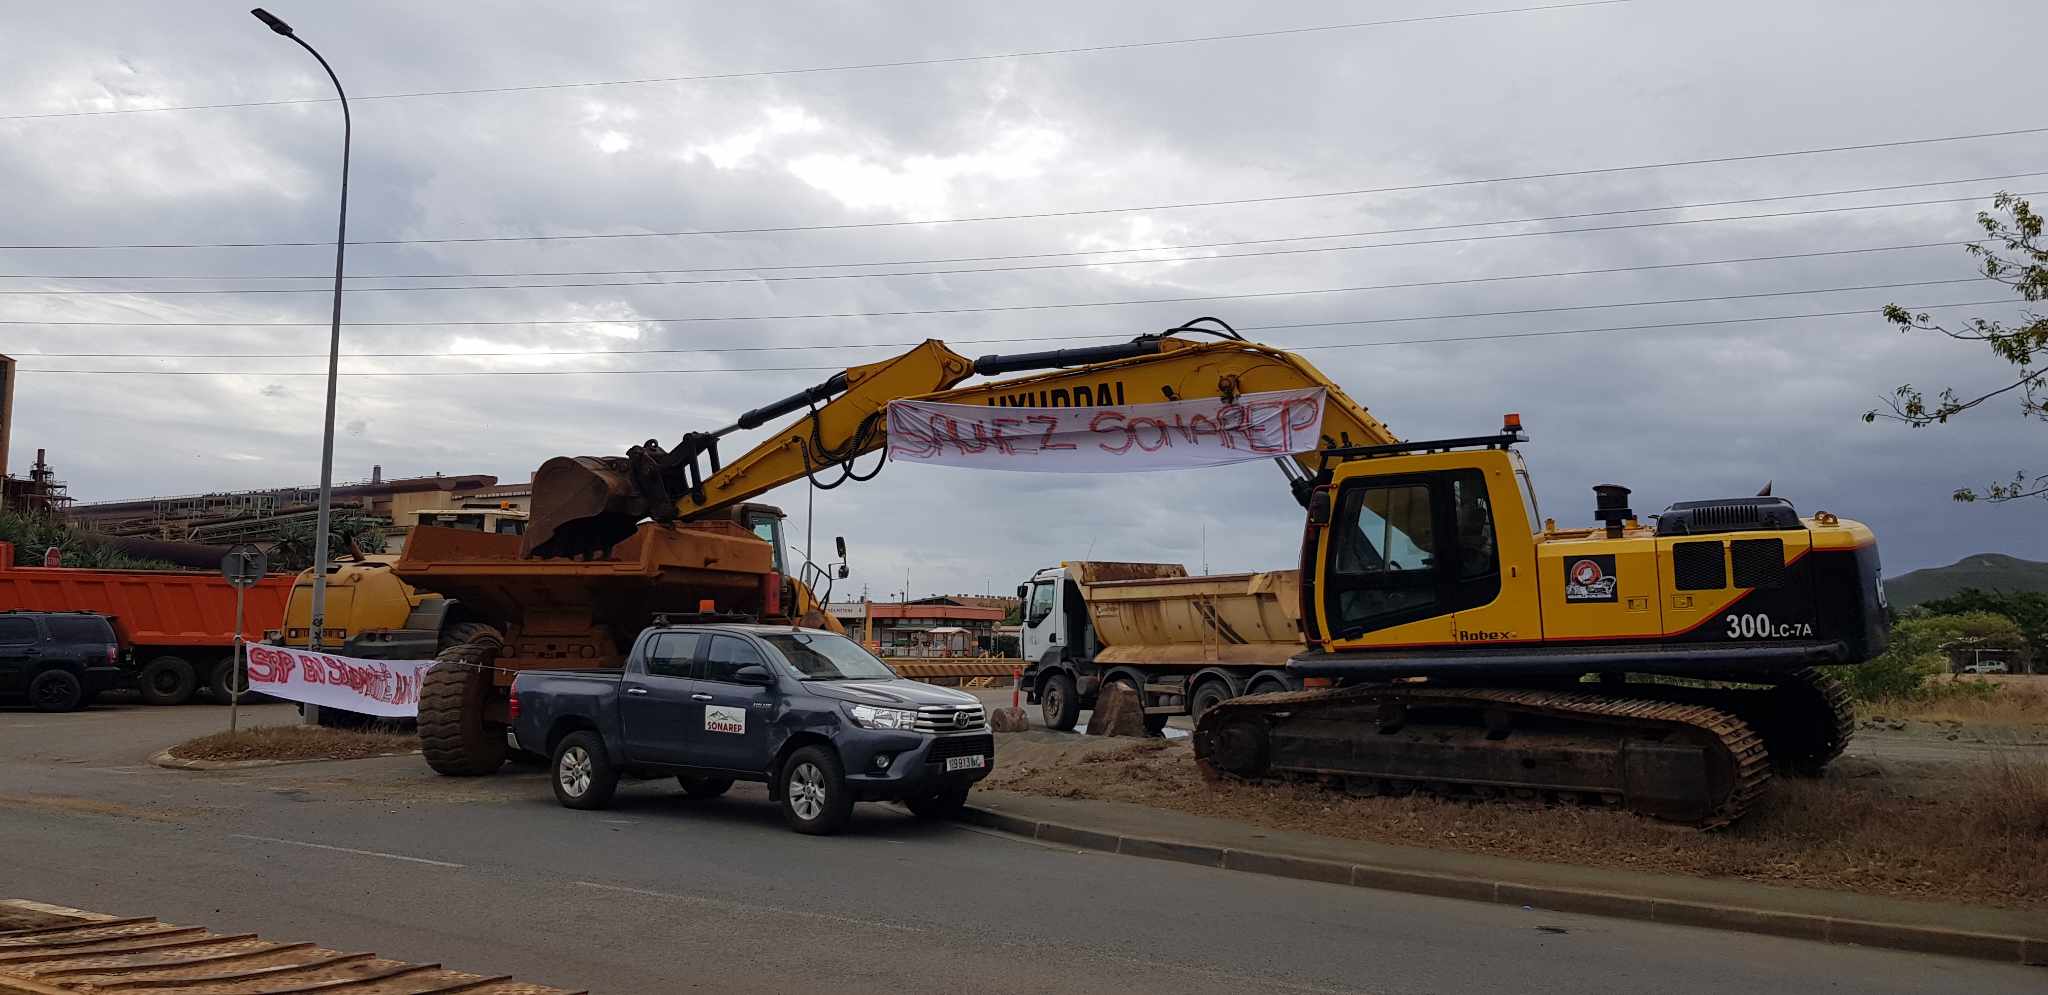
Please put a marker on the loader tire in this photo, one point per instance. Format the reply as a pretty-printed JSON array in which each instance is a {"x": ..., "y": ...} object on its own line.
[{"x": 454, "y": 737}]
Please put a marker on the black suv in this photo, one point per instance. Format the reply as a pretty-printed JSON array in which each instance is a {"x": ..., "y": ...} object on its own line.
[{"x": 59, "y": 660}]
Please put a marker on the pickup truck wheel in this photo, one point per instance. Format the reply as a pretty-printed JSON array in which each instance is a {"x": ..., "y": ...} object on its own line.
[
  {"x": 582, "y": 774},
  {"x": 1059, "y": 704},
  {"x": 815, "y": 798},
  {"x": 704, "y": 787},
  {"x": 220, "y": 685},
  {"x": 942, "y": 805},
  {"x": 454, "y": 738},
  {"x": 56, "y": 691},
  {"x": 167, "y": 680}
]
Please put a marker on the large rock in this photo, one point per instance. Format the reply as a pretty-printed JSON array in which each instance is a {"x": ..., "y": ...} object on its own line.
[
  {"x": 1118, "y": 712},
  {"x": 1009, "y": 720}
]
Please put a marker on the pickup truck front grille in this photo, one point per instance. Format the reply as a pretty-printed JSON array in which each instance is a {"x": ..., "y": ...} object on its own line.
[
  {"x": 949, "y": 718},
  {"x": 961, "y": 746}
]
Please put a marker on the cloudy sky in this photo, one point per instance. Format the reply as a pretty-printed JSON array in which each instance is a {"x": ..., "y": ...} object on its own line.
[{"x": 1703, "y": 409}]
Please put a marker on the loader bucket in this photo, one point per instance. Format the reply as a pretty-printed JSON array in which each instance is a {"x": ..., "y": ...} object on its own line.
[{"x": 582, "y": 506}]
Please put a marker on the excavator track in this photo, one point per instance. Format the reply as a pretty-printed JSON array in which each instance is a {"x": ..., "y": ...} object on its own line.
[
  {"x": 1806, "y": 717},
  {"x": 1674, "y": 761}
]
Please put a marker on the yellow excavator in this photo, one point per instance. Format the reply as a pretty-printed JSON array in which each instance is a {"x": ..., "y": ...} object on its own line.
[{"x": 1451, "y": 639}]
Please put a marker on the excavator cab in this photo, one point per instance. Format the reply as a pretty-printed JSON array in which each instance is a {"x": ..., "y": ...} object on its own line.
[{"x": 1422, "y": 544}]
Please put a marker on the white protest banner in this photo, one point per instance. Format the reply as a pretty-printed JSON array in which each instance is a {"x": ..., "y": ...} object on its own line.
[
  {"x": 390, "y": 688},
  {"x": 1169, "y": 435}
]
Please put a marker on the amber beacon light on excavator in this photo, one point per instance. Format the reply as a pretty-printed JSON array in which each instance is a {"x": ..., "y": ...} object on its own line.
[{"x": 1457, "y": 643}]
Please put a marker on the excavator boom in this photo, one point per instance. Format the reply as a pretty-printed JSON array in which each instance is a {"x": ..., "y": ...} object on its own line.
[{"x": 584, "y": 505}]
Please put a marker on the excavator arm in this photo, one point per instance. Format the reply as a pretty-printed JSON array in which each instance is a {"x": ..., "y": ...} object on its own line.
[{"x": 585, "y": 504}]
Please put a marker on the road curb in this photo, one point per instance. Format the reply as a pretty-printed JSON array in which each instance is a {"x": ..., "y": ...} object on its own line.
[
  {"x": 1773, "y": 922},
  {"x": 163, "y": 758}
]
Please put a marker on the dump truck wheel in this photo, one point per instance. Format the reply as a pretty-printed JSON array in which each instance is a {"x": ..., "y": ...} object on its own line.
[
  {"x": 454, "y": 737},
  {"x": 1059, "y": 703},
  {"x": 167, "y": 680},
  {"x": 1207, "y": 695},
  {"x": 220, "y": 687},
  {"x": 56, "y": 691}
]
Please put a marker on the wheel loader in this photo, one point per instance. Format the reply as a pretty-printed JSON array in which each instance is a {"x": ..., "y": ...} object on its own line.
[{"x": 1452, "y": 639}]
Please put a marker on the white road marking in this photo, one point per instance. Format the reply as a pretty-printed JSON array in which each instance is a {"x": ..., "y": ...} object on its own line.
[
  {"x": 718, "y": 903},
  {"x": 344, "y": 849}
]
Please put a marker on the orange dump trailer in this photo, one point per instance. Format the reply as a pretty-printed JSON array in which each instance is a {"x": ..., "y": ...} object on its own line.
[{"x": 178, "y": 625}]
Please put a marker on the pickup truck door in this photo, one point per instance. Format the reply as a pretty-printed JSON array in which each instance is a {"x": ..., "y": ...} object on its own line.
[
  {"x": 730, "y": 731},
  {"x": 655, "y": 708}
]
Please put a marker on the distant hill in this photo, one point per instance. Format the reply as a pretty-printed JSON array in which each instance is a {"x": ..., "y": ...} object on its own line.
[{"x": 1984, "y": 571}]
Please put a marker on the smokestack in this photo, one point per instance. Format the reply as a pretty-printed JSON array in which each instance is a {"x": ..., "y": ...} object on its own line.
[{"x": 377, "y": 474}]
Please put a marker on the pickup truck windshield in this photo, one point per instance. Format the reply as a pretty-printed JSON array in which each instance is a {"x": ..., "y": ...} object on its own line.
[{"x": 823, "y": 656}]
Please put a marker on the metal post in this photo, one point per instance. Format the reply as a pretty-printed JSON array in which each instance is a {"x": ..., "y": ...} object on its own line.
[
  {"x": 325, "y": 517},
  {"x": 238, "y": 680}
]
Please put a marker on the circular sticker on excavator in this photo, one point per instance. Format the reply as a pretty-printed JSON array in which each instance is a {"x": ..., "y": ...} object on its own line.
[{"x": 1591, "y": 578}]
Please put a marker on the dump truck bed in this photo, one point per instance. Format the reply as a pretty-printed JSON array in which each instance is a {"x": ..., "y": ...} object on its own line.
[
  {"x": 154, "y": 609},
  {"x": 578, "y": 613},
  {"x": 1156, "y": 613}
]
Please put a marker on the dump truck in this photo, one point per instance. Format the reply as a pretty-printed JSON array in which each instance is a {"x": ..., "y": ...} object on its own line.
[
  {"x": 178, "y": 626},
  {"x": 1183, "y": 642}
]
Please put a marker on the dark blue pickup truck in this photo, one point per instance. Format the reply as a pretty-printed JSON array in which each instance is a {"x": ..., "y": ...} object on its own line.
[{"x": 821, "y": 720}]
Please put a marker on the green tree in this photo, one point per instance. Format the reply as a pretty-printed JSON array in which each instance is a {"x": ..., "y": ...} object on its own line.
[
  {"x": 2012, "y": 253},
  {"x": 2027, "y": 609},
  {"x": 294, "y": 548},
  {"x": 1919, "y": 654},
  {"x": 32, "y": 535}
]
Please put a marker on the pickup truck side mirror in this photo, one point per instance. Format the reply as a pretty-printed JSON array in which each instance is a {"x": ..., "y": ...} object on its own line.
[{"x": 754, "y": 674}]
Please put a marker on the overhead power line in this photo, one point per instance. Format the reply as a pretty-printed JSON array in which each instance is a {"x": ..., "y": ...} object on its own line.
[
  {"x": 814, "y": 70},
  {"x": 1271, "y": 199},
  {"x": 1439, "y": 340},
  {"x": 995, "y": 269},
  {"x": 466, "y": 323},
  {"x": 1206, "y": 298},
  {"x": 1160, "y": 248},
  {"x": 1004, "y": 340}
]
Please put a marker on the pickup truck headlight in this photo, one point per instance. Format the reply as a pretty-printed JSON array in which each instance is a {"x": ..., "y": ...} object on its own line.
[{"x": 870, "y": 717}]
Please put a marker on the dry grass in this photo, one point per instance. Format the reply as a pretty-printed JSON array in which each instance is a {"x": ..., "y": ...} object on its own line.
[
  {"x": 296, "y": 742},
  {"x": 2017, "y": 701},
  {"x": 1982, "y": 839}
]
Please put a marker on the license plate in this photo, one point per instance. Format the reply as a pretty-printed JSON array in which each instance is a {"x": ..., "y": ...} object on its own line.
[{"x": 975, "y": 762}]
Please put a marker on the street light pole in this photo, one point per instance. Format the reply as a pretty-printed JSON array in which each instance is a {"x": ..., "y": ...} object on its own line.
[{"x": 321, "y": 526}]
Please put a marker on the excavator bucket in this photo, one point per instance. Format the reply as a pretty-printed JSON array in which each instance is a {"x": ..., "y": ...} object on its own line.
[{"x": 585, "y": 505}]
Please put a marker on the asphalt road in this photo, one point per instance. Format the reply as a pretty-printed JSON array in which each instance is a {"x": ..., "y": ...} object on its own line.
[{"x": 665, "y": 895}]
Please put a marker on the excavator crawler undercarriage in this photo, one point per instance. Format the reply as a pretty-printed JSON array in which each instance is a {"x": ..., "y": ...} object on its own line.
[{"x": 1695, "y": 753}]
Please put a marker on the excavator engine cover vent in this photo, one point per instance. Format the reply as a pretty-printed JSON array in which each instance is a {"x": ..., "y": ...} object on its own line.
[
  {"x": 1751, "y": 514},
  {"x": 1696, "y": 566},
  {"x": 1758, "y": 562}
]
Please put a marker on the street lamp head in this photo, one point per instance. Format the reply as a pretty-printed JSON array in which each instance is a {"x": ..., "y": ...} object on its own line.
[{"x": 273, "y": 21}]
